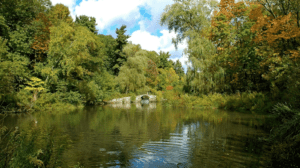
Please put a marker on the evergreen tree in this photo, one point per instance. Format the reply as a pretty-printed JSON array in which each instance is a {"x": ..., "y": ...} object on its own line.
[
  {"x": 163, "y": 60},
  {"x": 119, "y": 57}
]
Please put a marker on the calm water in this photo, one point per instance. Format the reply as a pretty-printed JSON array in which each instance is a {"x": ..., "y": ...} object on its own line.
[{"x": 156, "y": 136}]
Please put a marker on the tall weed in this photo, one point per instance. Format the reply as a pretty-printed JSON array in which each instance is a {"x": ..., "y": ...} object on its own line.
[
  {"x": 285, "y": 137},
  {"x": 35, "y": 147}
]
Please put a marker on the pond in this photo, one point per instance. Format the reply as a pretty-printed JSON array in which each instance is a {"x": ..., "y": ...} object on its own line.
[{"x": 152, "y": 135}]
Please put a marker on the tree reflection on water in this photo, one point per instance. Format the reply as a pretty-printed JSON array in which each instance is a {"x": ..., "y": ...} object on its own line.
[{"x": 152, "y": 135}]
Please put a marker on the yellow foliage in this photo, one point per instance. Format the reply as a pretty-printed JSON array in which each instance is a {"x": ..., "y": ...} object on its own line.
[{"x": 35, "y": 84}]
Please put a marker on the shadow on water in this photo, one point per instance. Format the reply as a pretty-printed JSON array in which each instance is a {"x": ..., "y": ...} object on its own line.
[{"x": 151, "y": 135}]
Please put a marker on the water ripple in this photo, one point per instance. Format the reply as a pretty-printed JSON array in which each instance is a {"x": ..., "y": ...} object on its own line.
[{"x": 170, "y": 152}]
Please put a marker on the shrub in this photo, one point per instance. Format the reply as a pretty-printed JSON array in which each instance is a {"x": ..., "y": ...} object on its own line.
[
  {"x": 72, "y": 98},
  {"x": 290, "y": 122},
  {"x": 247, "y": 101},
  {"x": 285, "y": 137},
  {"x": 54, "y": 102}
]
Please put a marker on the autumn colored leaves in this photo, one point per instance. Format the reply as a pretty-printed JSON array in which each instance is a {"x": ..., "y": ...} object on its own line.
[{"x": 255, "y": 41}]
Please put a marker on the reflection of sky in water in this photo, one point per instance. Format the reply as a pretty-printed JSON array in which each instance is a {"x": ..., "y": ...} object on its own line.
[{"x": 172, "y": 152}]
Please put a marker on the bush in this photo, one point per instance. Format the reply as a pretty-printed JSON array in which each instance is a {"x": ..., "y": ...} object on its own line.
[
  {"x": 247, "y": 101},
  {"x": 54, "y": 102},
  {"x": 289, "y": 122},
  {"x": 72, "y": 98},
  {"x": 285, "y": 137}
]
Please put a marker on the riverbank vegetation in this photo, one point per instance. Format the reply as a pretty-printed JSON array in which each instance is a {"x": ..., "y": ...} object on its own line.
[
  {"x": 248, "y": 50},
  {"x": 243, "y": 56}
]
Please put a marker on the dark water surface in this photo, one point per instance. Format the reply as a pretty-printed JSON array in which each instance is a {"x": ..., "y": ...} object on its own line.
[{"x": 156, "y": 136}]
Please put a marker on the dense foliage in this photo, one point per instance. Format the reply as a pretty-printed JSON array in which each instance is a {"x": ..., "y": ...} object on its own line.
[
  {"x": 244, "y": 56},
  {"x": 48, "y": 60},
  {"x": 248, "y": 47}
]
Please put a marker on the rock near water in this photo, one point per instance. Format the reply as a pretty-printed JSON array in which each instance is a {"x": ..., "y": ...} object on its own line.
[{"x": 126, "y": 100}]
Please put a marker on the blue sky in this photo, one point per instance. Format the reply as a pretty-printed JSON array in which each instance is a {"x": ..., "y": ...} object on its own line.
[{"x": 142, "y": 18}]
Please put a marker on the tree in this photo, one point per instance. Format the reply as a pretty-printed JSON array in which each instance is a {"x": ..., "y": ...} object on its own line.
[
  {"x": 154, "y": 57},
  {"x": 3, "y": 27},
  {"x": 60, "y": 13},
  {"x": 18, "y": 29},
  {"x": 21, "y": 13},
  {"x": 120, "y": 57},
  {"x": 13, "y": 71},
  {"x": 89, "y": 22},
  {"x": 232, "y": 36},
  {"x": 191, "y": 21},
  {"x": 167, "y": 77},
  {"x": 187, "y": 17},
  {"x": 187, "y": 88},
  {"x": 109, "y": 51},
  {"x": 131, "y": 76},
  {"x": 151, "y": 73},
  {"x": 42, "y": 37},
  {"x": 74, "y": 54},
  {"x": 163, "y": 60},
  {"x": 130, "y": 50},
  {"x": 178, "y": 69},
  {"x": 132, "y": 73},
  {"x": 277, "y": 25}
]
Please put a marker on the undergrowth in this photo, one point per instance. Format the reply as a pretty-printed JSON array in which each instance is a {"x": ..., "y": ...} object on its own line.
[
  {"x": 285, "y": 136},
  {"x": 242, "y": 102},
  {"x": 35, "y": 147}
]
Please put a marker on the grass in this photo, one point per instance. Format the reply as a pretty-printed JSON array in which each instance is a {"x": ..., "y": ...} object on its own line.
[{"x": 242, "y": 102}]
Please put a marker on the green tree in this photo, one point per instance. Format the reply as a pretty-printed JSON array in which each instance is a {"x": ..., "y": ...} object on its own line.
[
  {"x": 119, "y": 57},
  {"x": 154, "y": 57},
  {"x": 178, "y": 69},
  {"x": 130, "y": 50},
  {"x": 109, "y": 51},
  {"x": 163, "y": 60},
  {"x": 13, "y": 72},
  {"x": 60, "y": 13},
  {"x": 167, "y": 77},
  {"x": 89, "y": 22},
  {"x": 74, "y": 54},
  {"x": 191, "y": 21},
  {"x": 190, "y": 74},
  {"x": 3, "y": 27},
  {"x": 17, "y": 25},
  {"x": 187, "y": 17},
  {"x": 21, "y": 13},
  {"x": 132, "y": 73},
  {"x": 131, "y": 76}
]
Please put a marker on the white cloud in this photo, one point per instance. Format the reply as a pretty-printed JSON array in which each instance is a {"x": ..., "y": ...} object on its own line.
[
  {"x": 152, "y": 42},
  {"x": 145, "y": 39},
  {"x": 111, "y": 12},
  {"x": 163, "y": 43},
  {"x": 65, "y": 2},
  {"x": 108, "y": 11}
]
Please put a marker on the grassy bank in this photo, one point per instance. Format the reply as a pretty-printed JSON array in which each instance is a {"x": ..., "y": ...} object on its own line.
[{"x": 241, "y": 102}]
